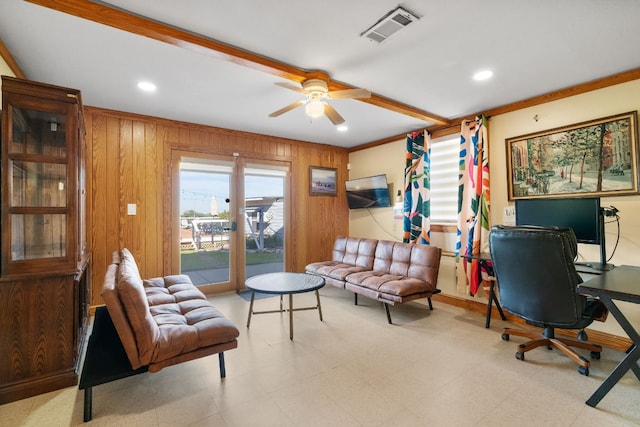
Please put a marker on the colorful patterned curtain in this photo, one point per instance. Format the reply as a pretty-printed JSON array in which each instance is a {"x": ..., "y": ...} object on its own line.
[
  {"x": 416, "y": 189},
  {"x": 473, "y": 202}
]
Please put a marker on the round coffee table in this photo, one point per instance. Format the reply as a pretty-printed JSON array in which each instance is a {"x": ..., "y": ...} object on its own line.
[{"x": 284, "y": 283}]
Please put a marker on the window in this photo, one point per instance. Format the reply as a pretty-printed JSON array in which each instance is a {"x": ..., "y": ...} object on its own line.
[{"x": 444, "y": 179}]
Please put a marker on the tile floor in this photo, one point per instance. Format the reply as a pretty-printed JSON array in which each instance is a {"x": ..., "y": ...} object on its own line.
[{"x": 439, "y": 368}]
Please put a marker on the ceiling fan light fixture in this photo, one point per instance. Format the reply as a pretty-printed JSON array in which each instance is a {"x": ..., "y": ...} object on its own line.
[
  {"x": 316, "y": 91},
  {"x": 314, "y": 109}
]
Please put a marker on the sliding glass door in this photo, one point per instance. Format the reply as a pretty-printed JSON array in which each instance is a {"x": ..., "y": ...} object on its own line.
[
  {"x": 206, "y": 247},
  {"x": 264, "y": 208},
  {"x": 232, "y": 216}
]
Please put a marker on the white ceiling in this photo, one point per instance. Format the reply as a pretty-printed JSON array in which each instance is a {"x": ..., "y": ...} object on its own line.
[{"x": 533, "y": 47}]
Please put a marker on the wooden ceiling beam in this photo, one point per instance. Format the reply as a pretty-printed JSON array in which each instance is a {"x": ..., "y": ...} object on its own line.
[
  {"x": 11, "y": 62},
  {"x": 142, "y": 26}
]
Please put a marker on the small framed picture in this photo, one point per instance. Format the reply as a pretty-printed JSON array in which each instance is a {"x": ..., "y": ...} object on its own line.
[{"x": 322, "y": 181}]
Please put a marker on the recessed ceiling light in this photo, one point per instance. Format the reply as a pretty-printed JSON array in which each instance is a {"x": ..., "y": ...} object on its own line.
[
  {"x": 483, "y": 75},
  {"x": 147, "y": 86},
  {"x": 342, "y": 128}
]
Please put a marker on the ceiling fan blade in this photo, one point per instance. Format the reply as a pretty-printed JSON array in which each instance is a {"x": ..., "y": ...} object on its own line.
[
  {"x": 287, "y": 108},
  {"x": 290, "y": 87},
  {"x": 349, "y": 93},
  {"x": 333, "y": 115}
]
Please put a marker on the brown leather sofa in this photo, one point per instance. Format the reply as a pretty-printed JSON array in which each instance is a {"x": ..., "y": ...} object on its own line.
[
  {"x": 390, "y": 272},
  {"x": 156, "y": 323}
]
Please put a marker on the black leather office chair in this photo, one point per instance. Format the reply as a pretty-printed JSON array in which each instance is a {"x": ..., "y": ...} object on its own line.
[{"x": 537, "y": 279}]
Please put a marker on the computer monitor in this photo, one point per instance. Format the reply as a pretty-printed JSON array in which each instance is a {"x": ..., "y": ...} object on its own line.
[
  {"x": 580, "y": 214},
  {"x": 583, "y": 215}
]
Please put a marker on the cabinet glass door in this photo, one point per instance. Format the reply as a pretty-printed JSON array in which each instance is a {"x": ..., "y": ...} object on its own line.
[{"x": 37, "y": 158}]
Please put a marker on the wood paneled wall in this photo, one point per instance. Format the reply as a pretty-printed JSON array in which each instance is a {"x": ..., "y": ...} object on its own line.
[{"x": 129, "y": 161}]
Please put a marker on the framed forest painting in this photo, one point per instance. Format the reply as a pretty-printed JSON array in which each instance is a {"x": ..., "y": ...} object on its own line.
[{"x": 594, "y": 158}]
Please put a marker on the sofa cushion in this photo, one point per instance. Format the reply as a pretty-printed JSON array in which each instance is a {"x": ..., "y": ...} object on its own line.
[
  {"x": 128, "y": 264},
  {"x": 371, "y": 279},
  {"x": 383, "y": 256},
  {"x": 389, "y": 283},
  {"x": 350, "y": 255},
  {"x": 185, "y": 318},
  {"x": 401, "y": 260},
  {"x": 405, "y": 286},
  {"x": 133, "y": 298},
  {"x": 425, "y": 264},
  {"x": 333, "y": 269},
  {"x": 354, "y": 251},
  {"x": 118, "y": 315}
]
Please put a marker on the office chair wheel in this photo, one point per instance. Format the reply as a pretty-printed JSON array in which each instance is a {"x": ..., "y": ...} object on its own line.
[
  {"x": 595, "y": 355},
  {"x": 583, "y": 370},
  {"x": 520, "y": 355},
  {"x": 505, "y": 337}
]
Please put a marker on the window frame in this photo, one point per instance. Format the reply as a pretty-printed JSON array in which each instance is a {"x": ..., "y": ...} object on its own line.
[{"x": 436, "y": 138}]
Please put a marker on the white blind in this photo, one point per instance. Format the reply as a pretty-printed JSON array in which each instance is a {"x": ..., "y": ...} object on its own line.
[{"x": 444, "y": 179}]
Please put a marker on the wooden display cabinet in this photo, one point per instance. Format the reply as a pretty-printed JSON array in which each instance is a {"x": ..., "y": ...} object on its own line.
[{"x": 44, "y": 264}]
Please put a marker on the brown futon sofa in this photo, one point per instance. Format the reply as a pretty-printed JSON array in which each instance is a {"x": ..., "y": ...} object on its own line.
[
  {"x": 390, "y": 272},
  {"x": 148, "y": 325}
]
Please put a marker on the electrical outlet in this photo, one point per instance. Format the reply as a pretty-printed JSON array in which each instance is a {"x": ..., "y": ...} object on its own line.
[{"x": 509, "y": 216}]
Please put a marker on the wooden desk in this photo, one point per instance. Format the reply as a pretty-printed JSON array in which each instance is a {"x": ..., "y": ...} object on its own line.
[
  {"x": 623, "y": 284},
  {"x": 485, "y": 262}
]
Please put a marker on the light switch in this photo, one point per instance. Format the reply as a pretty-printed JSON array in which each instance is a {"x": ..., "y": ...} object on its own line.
[{"x": 131, "y": 209}]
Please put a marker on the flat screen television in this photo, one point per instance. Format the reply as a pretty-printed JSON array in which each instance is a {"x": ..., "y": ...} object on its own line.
[
  {"x": 368, "y": 192},
  {"x": 580, "y": 214}
]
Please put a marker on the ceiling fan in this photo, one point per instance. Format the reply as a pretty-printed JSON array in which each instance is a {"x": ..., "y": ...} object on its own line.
[{"x": 316, "y": 91}]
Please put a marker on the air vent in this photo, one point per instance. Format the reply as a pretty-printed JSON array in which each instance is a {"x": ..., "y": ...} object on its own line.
[{"x": 389, "y": 24}]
